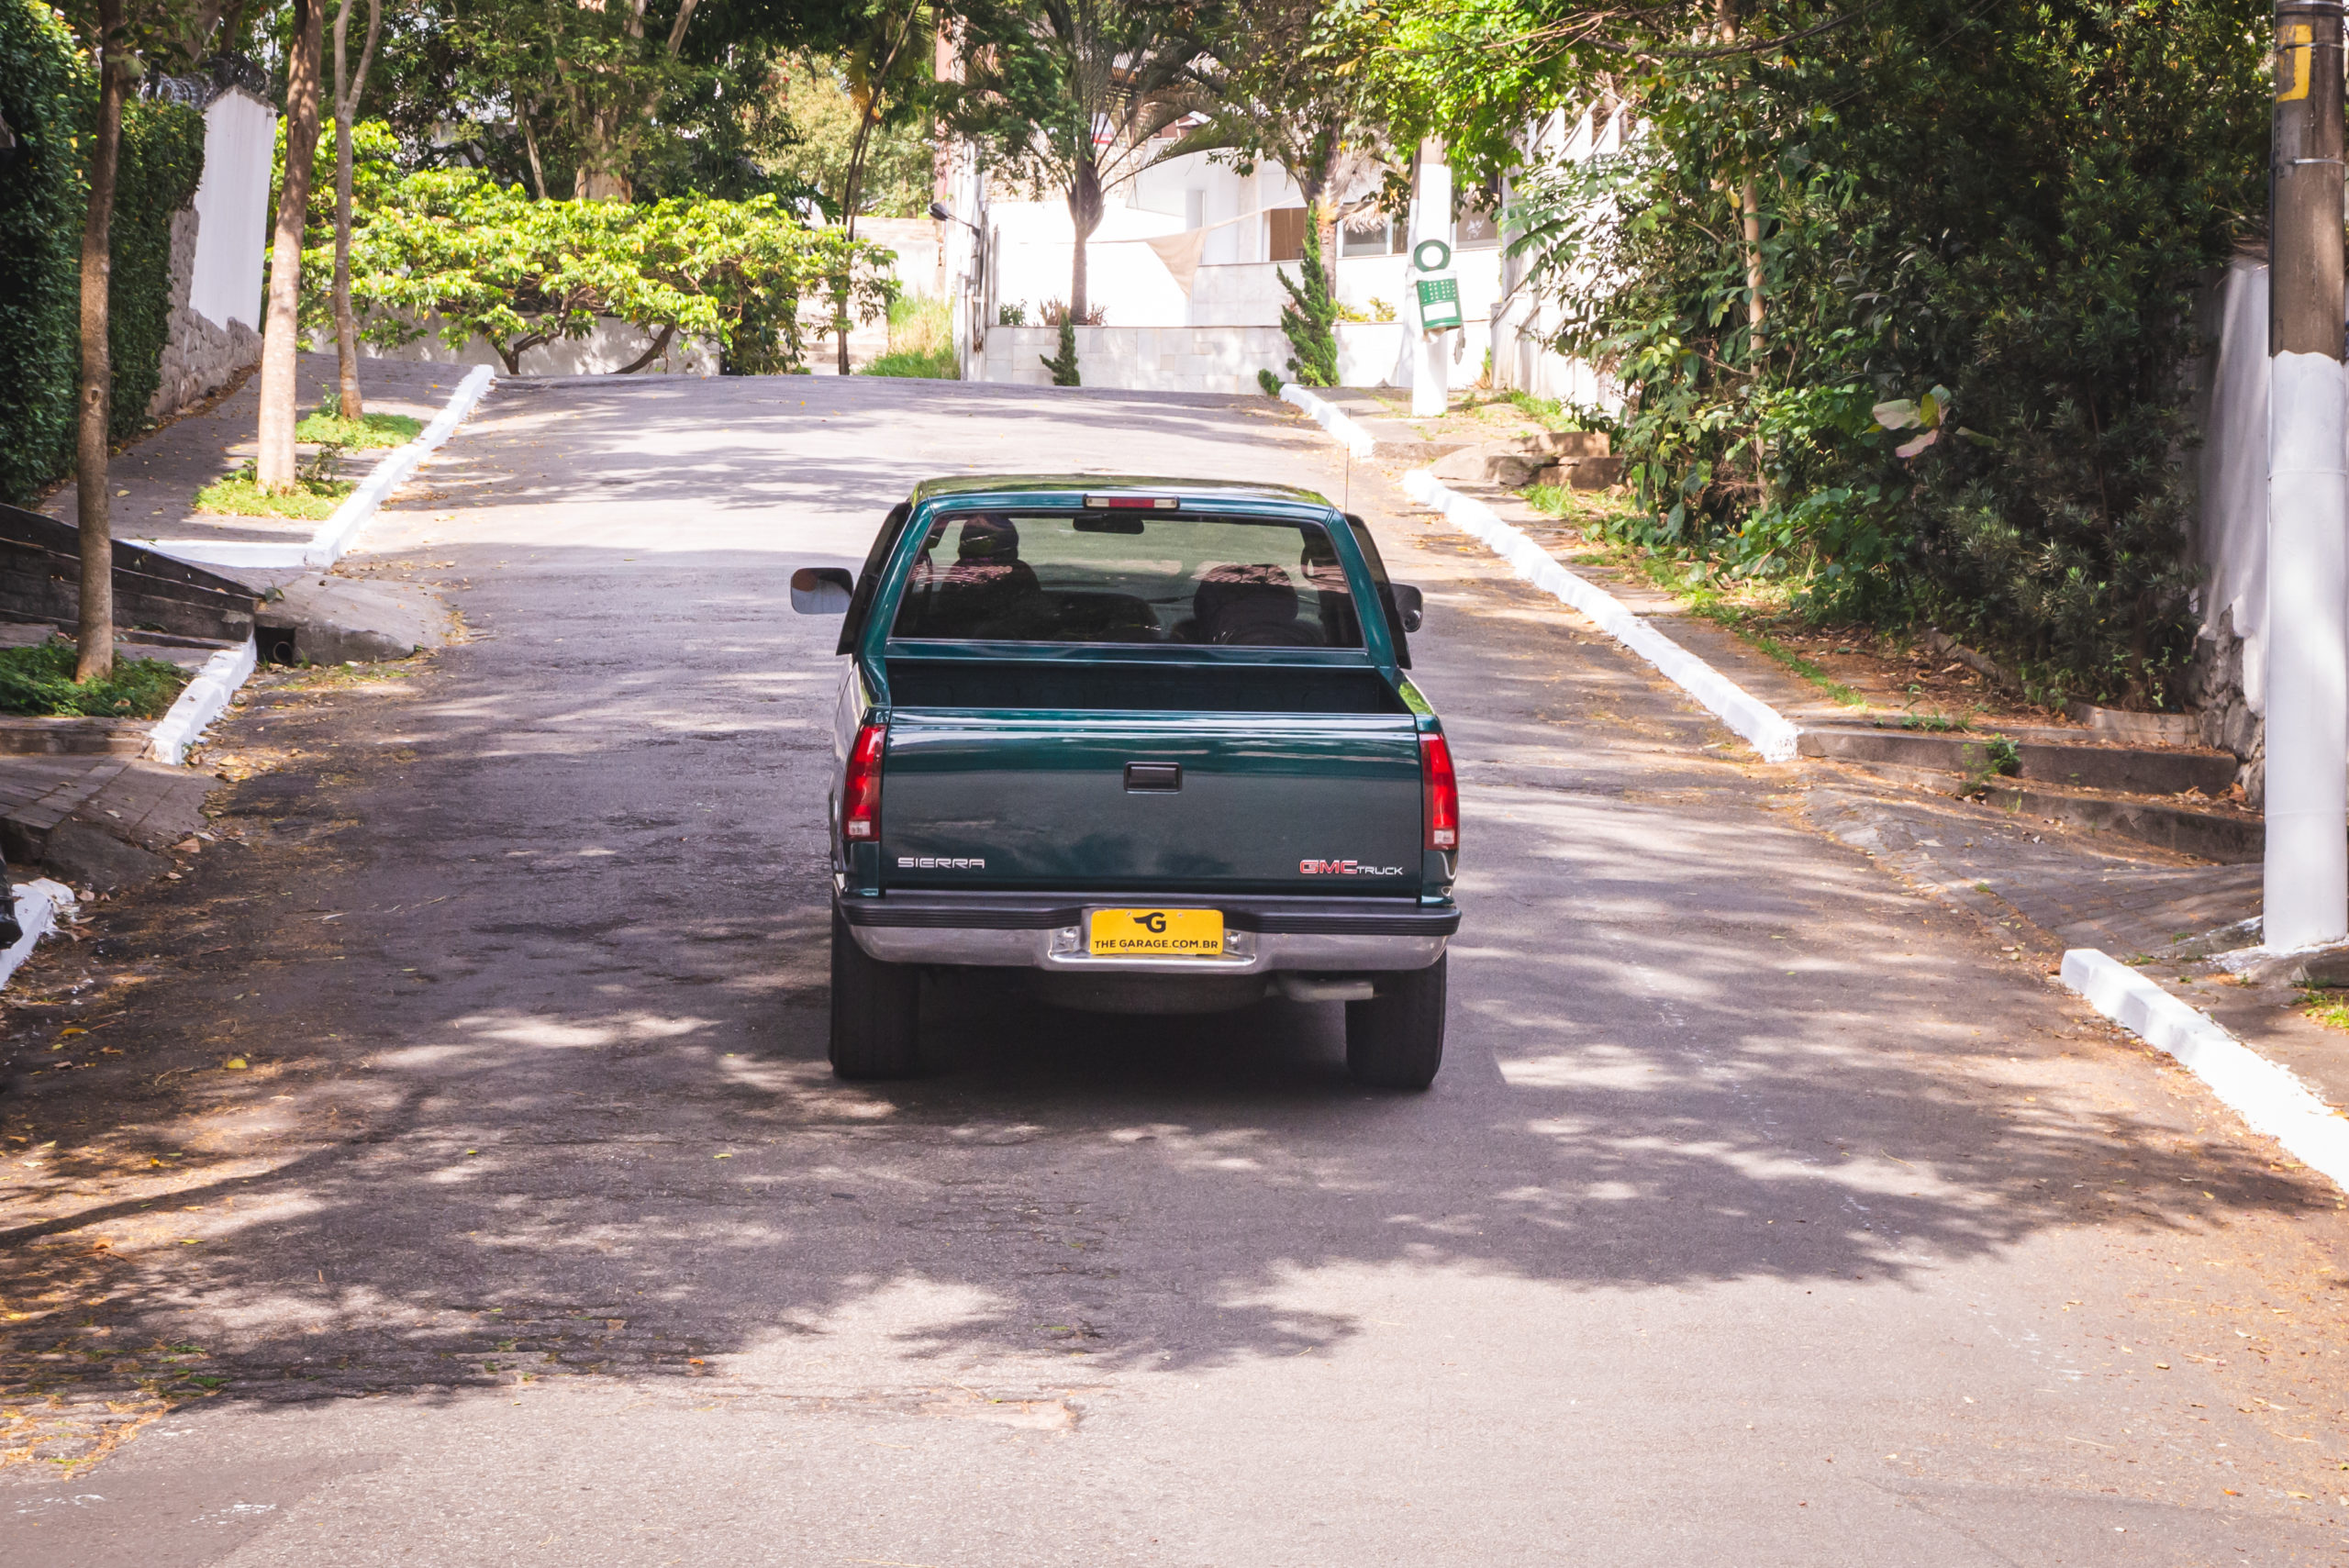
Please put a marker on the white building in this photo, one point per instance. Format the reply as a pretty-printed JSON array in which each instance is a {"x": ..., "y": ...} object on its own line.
[{"x": 1183, "y": 274}]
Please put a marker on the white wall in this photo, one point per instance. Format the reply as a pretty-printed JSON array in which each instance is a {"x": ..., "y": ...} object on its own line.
[
  {"x": 1124, "y": 276},
  {"x": 610, "y": 346},
  {"x": 1143, "y": 358},
  {"x": 2232, "y": 540},
  {"x": 1523, "y": 324},
  {"x": 232, "y": 209},
  {"x": 917, "y": 244}
]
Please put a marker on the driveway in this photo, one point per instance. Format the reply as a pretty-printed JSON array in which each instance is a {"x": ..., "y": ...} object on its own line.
[{"x": 1765, "y": 1213}]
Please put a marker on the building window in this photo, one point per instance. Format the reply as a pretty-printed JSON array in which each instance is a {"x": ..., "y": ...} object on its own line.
[
  {"x": 1371, "y": 234},
  {"x": 1478, "y": 227},
  {"x": 1287, "y": 234}
]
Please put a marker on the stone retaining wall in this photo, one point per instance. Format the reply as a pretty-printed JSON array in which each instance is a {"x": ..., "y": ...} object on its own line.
[{"x": 199, "y": 357}]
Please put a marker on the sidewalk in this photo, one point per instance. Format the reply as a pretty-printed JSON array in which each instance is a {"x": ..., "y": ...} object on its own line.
[
  {"x": 2043, "y": 885},
  {"x": 155, "y": 481},
  {"x": 88, "y": 808}
]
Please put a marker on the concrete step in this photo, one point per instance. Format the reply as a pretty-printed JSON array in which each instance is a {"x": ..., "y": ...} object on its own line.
[
  {"x": 97, "y": 821},
  {"x": 2229, "y": 837},
  {"x": 73, "y": 737},
  {"x": 2128, "y": 769},
  {"x": 2212, "y": 833}
]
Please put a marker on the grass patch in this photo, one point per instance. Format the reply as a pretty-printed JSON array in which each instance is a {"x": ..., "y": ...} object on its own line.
[
  {"x": 921, "y": 341},
  {"x": 236, "y": 495},
  {"x": 39, "y": 680},
  {"x": 1737, "y": 621},
  {"x": 1599, "y": 512},
  {"x": 2328, "y": 1008},
  {"x": 330, "y": 430}
]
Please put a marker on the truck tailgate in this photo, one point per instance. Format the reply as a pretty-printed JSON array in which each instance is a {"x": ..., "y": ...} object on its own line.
[{"x": 1266, "y": 801}]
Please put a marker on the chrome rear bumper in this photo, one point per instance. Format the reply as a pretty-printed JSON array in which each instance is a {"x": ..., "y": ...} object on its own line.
[{"x": 1045, "y": 931}]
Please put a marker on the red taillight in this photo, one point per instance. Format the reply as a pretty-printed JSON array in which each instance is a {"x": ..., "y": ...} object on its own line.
[
  {"x": 1442, "y": 808},
  {"x": 860, "y": 790}
]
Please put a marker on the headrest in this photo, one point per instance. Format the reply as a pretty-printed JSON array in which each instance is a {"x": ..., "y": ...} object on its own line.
[
  {"x": 988, "y": 540},
  {"x": 1229, "y": 593}
]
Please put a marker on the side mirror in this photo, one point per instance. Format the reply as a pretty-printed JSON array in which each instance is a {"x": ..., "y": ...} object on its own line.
[
  {"x": 1411, "y": 605},
  {"x": 822, "y": 590}
]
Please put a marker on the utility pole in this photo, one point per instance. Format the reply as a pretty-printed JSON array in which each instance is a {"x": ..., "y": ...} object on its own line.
[
  {"x": 1432, "y": 219},
  {"x": 2307, "y": 892}
]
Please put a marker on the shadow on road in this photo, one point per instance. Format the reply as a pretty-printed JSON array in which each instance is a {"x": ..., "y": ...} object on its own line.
[{"x": 526, "y": 955}]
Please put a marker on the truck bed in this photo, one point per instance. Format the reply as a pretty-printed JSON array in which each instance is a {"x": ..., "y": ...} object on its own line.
[{"x": 1296, "y": 778}]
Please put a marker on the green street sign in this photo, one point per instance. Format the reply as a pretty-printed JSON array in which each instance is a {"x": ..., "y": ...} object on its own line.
[
  {"x": 1439, "y": 301},
  {"x": 1432, "y": 255}
]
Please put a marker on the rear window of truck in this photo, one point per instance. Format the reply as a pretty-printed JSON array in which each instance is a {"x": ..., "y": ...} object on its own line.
[{"x": 1194, "y": 578}]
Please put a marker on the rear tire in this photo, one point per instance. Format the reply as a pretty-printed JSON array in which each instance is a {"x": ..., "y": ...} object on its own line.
[
  {"x": 1395, "y": 1040},
  {"x": 875, "y": 1011}
]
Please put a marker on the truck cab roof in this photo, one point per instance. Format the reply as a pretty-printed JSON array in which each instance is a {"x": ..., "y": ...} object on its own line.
[{"x": 1031, "y": 484}]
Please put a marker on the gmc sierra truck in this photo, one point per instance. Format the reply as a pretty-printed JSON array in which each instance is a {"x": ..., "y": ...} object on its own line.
[{"x": 1149, "y": 744}]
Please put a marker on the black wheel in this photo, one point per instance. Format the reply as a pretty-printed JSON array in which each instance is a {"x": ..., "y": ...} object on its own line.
[
  {"x": 1395, "y": 1040},
  {"x": 875, "y": 1012}
]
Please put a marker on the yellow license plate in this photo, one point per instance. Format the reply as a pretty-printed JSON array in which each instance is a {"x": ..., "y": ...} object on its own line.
[{"x": 1157, "y": 933}]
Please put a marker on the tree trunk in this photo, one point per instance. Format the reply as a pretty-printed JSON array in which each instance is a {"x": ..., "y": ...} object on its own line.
[
  {"x": 1749, "y": 201},
  {"x": 347, "y": 89},
  {"x": 1748, "y": 197},
  {"x": 866, "y": 120},
  {"x": 275, "y": 467},
  {"x": 530, "y": 146},
  {"x": 600, "y": 177},
  {"x": 95, "y": 629},
  {"x": 1085, "y": 216},
  {"x": 847, "y": 210}
]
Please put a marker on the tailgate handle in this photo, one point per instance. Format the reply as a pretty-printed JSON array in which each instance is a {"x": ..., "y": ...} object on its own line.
[{"x": 1153, "y": 776}]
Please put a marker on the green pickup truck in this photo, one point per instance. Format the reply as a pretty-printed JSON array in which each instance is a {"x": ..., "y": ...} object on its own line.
[{"x": 1146, "y": 744}]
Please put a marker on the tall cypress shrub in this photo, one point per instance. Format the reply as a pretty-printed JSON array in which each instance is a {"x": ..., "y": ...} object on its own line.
[
  {"x": 46, "y": 95},
  {"x": 1310, "y": 319}
]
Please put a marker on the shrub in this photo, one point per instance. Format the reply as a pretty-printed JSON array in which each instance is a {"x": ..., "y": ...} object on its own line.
[
  {"x": 2020, "y": 223},
  {"x": 163, "y": 158},
  {"x": 1064, "y": 364},
  {"x": 49, "y": 99},
  {"x": 39, "y": 681},
  {"x": 45, "y": 95},
  {"x": 921, "y": 341},
  {"x": 1309, "y": 319}
]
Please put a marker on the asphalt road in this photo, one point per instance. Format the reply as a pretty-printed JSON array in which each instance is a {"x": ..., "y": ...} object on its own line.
[{"x": 1765, "y": 1213}]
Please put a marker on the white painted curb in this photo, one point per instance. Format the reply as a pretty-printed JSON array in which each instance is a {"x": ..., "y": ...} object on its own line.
[
  {"x": 1749, "y": 716},
  {"x": 336, "y": 534},
  {"x": 1756, "y": 721},
  {"x": 1331, "y": 418},
  {"x": 42, "y": 907},
  {"x": 202, "y": 700},
  {"x": 2270, "y": 1098}
]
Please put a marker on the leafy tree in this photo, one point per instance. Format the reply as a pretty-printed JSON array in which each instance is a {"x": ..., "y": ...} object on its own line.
[
  {"x": 817, "y": 119},
  {"x": 1834, "y": 207},
  {"x": 347, "y": 86},
  {"x": 274, "y": 460},
  {"x": 1276, "y": 82},
  {"x": 1072, "y": 94},
  {"x": 885, "y": 60},
  {"x": 124, "y": 37},
  {"x": 489, "y": 261}
]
